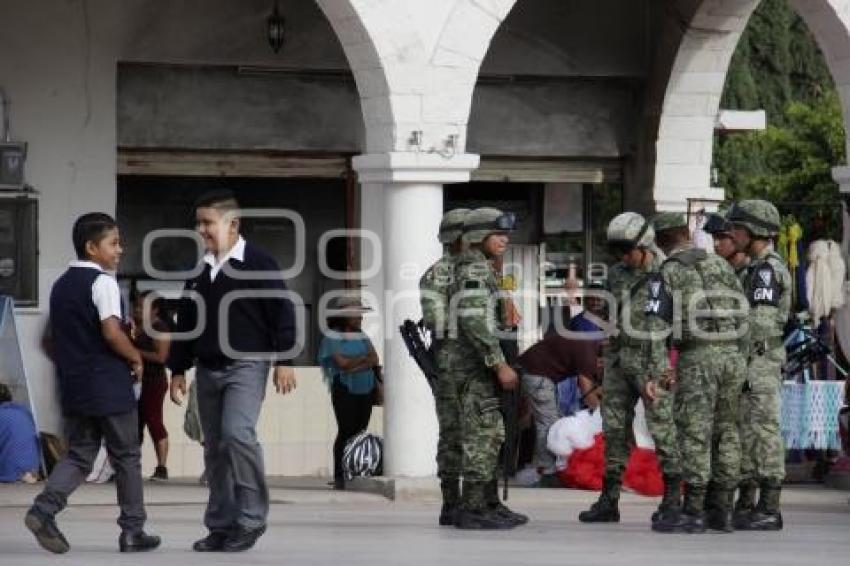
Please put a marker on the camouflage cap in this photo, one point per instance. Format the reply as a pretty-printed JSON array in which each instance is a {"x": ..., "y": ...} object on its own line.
[
  {"x": 451, "y": 226},
  {"x": 482, "y": 222},
  {"x": 669, "y": 221},
  {"x": 758, "y": 216}
]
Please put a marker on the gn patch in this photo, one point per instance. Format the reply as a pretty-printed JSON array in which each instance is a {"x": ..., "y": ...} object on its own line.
[
  {"x": 658, "y": 302},
  {"x": 765, "y": 288}
]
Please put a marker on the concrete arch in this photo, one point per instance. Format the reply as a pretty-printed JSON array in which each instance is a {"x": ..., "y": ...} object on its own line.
[
  {"x": 403, "y": 54},
  {"x": 685, "y": 134}
]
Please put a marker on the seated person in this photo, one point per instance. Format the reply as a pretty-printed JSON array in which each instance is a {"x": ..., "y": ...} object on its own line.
[
  {"x": 544, "y": 365},
  {"x": 19, "y": 448},
  {"x": 591, "y": 319}
]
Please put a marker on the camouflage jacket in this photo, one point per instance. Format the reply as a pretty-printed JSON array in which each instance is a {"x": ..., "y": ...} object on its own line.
[
  {"x": 476, "y": 310},
  {"x": 434, "y": 289},
  {"x": 767, "y": 286},
  {"x": 706, "y": 292},
  {"x": 642, "y": 330}
]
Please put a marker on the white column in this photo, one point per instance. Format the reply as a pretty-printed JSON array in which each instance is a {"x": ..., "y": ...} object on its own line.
[
  {"x": 413, "y": 206},
  {"x": 841, "y": 175}
]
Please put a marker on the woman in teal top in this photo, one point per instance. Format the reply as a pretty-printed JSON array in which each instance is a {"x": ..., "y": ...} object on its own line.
[{"x": 348, "y": 359}]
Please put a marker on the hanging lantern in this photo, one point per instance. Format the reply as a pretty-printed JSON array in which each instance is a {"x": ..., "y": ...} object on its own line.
[{"x": 275, "y": 29}]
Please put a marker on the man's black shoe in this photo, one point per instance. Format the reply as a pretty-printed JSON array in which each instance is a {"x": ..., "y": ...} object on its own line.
[
  {"x": 680, "y": 522},
  {"x": 763, "y": 521},
  {"x": 741, "y": 519},
  {"x": 508, "y": 514},
  {"x": 448, "y": 515},
  {"x": 213, "y": 542},
  {"x": 482, "y": 520},
  {"x": 242, "y": 538},
  {"x": 46, "y": 532},
  {"x": 137, "y": 542},
  {"x": 603, "y": 511},
  {"x": 719, "y": 520}
]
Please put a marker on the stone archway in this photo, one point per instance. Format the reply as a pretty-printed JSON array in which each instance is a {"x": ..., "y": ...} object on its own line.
[
  {"x": 690, "y": 103},
  {"x": 415, "y": 67}
]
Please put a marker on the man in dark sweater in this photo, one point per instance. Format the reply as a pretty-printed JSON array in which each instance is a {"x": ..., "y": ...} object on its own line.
[
  {"x": 545, "y": 364},
  {"x": 249, "y": 325},
  {"x": 94, "y": 357}
]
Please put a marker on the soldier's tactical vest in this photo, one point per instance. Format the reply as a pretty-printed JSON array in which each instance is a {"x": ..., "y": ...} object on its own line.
[
  {"x": 659, "y": 301},
  {"x": 762, "y": 286},
  {"x": 693, "y": 258}
]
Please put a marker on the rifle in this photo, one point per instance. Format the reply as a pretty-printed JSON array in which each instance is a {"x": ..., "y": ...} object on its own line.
[
  {"x": 414, "y": 335},
  {"x": 510, "y": 415}
]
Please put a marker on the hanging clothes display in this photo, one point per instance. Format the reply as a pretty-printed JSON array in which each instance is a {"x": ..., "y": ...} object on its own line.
[
  {"x": 787, "y": 243},
  {"x": 825, "y": 278}
]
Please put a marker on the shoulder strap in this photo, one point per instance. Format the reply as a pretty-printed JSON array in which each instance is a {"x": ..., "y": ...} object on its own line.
[{"x": 689, "y": 257}]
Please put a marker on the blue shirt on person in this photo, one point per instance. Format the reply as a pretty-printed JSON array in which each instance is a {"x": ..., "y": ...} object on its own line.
[
  {"x": 348, "y": 345},
  {"x": 19, "y": 448}
]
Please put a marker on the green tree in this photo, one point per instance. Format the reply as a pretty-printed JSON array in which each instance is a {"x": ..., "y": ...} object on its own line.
[
  {"x": 777, "y": 61},
  {"x": 779, "y": 68},
  {"x": 790, "y": 165}
]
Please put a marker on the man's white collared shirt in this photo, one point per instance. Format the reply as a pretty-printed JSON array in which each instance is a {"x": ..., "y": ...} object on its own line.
[{"x": 237, "y": 252}]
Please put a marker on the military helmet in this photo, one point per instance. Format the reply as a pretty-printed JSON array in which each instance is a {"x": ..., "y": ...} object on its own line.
[
  {"x": 628, "y": 231},
  {"x": 668, "y": 221},
  {"x": 717, "y": 225},
  {"x": 482, "y": 222},
  {"x": 758, "y": 216},
  {"x": 451, "y": 226}
]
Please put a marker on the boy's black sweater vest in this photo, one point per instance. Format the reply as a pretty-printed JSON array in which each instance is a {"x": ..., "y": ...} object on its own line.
[{"x": 93, "y": 380}]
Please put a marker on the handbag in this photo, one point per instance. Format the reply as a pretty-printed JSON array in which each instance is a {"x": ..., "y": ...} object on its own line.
[{"x": 378, "y": 391}]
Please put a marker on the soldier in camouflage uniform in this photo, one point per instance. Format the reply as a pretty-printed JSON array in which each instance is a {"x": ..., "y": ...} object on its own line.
[
  {"x": 706, "y": 294},
  {"x": 724, "y": 245},
  {"x": 767, "y": 286},
  {"x": 474, "y": 358},
  {"x": 434, "y": 288},
  {"x": 629, "y": 363}
]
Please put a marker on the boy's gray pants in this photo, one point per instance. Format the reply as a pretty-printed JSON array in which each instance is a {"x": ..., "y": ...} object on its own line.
[
  {"x": 85, "y": 434},
  {"x": 229, "y": 401}
]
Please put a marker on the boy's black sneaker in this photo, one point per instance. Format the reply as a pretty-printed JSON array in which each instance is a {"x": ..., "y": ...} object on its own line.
[
  {"x": 213, "y": 542},
  {"x": 242, "y": 538},
  {"x": 160, "y": 473},
  {"x": 137, "y": 542},
  {"x": 46, "y": 532}
]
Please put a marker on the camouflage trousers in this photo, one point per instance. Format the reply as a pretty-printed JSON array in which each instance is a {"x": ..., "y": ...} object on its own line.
[
  {"x": 471, "y": 426},
  {"x": 709, "y": 380},
  {"x": 621, "y": 394},
  {"x": 447, "y": 398},
  {"x": 761, "y": 441}
]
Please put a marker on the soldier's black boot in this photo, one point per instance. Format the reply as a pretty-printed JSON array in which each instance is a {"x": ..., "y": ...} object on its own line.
[
  {"x": 495, "y": 504},
  {"x": 474, "y": 513},
  {"x": 690, "y": 519},
  {"x": 672, "y": 499},
  {"x": 718, "y": 509},
  {"x": 450, "y": 487},
  {"x": 745, "y": 506},
  {"x": 605, "y": 510},
  {"x": 767, "y": 517}
]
